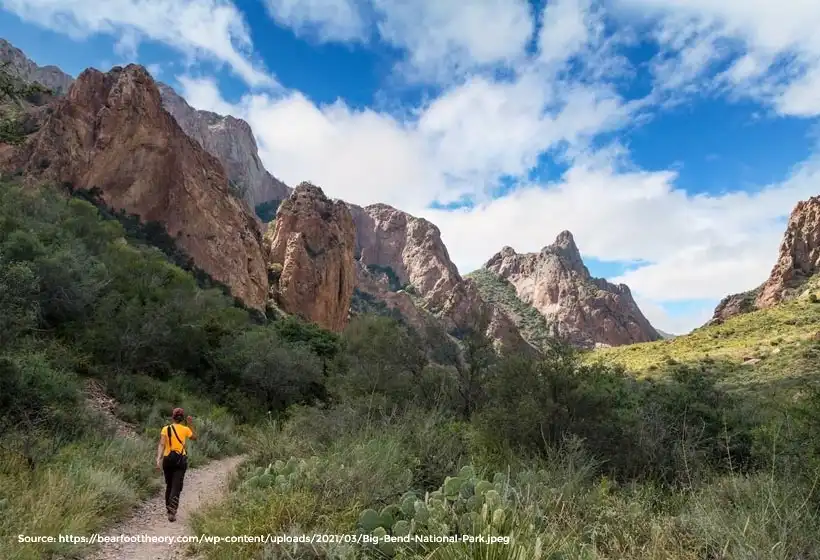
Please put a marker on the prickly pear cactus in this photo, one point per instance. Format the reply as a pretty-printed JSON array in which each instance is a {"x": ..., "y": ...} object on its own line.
[
  {"x": 283, "y": 475},
  {"x": 466, "y": 504}
]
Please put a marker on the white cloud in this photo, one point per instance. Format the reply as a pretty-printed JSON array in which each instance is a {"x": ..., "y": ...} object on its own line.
[
  {"x": 155, "y": 70},
  {"x": 565, "y": 29},
  {"x": 212, "y": 29},
  {"x": 204, "y": 94},
  {"x": 699, "y": 247},
  {"x": 446, "y": 39},
  {"x": 329, "y": 20},
  {"x": 680, "y": 322},
  {"x": 459, "y": 144},
  {"x": 481, "y": 128},
  {"x": 638, "y": 216},
  {"x": 773, "y": 47}
]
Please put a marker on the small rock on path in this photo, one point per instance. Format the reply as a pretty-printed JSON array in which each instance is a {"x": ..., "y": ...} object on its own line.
[{"x": 202, "y": 486}]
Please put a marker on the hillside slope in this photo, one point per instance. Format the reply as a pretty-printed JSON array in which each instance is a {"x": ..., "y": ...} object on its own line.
[
  {"x": 798, "y": 260},
  {"x": 777, "y": 344},
  {"x": 111, "y": 133},
  {"x": 497, "y": 291},
  {"x": 581, "y": 310}
]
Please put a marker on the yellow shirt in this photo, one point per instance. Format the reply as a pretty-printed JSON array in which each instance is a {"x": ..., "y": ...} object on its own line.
[{"x": 184, "y": 432}]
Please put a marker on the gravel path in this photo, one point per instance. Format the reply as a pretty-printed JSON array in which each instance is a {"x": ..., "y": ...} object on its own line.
[{"x": 202, "y": 486}]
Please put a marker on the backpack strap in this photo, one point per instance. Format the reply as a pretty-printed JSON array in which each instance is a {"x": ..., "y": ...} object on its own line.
[{"x": 171, "y": 428}]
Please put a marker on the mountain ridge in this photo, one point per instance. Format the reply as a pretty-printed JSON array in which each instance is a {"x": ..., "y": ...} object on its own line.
[
  {"x": 583, "y": 310},
  {"x": 385, "y": 237},
  {"x": 111, "y": 132}
]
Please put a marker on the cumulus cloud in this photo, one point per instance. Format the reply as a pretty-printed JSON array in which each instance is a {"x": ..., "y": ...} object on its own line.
[
  {"x": 443, "y": 40},
  {"x": 457, "y": 147},
  {"x": 772, "y": 49},
  {"x": 327, "y": 20},
  {"x": 447, "y": 39},
  {"x": 554, "y": 101},
  {"x": 210, "y": 29},
  {"x": 690, "y": 247}
]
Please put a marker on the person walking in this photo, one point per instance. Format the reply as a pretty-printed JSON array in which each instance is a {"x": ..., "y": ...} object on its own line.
[{"x": 172, "y": 458}]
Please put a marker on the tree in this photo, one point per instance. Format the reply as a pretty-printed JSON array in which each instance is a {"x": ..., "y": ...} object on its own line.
[
  {"x": 477, "y": 357},
  {"x": 384, "y": 357}
]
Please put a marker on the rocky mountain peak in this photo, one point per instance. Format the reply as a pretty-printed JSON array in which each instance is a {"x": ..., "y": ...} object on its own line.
[
  {"x": 565, "y": 247},
  {"x": 111, "y": 132},
  {"x": 25, "y": 69},
  {"x": 410, "y": 246},
  {"x": 311, "y": 255},
  {"x": 799, "y": 255},
  {"x": 232, "y": 142},
  {"x": 798, "y": 260},
  {"x": 413, "y": 251},
  {"x": 566, "y": 241},
  {"x": 582, "y": 310}
]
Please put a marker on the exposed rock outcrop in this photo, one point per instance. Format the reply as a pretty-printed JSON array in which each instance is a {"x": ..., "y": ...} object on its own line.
[
  {"x": 232, "y": 142},
  {"x": 412, "y": 250},
  {"x": 797, "y": 261},
  {"x": 20, "y": 66},
  {"x": 227, "y": 138},
  {"x": 410, "y": 246},
  {"x": 313, "y": 243},
  {"x": 799, "y": 257},
  {"x": 111, "y": 132},
  {"x": 734, "y": 304},
  {"x": 581, "y": 310}
]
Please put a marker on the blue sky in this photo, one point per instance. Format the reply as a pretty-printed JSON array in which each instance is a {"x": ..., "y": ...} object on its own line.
[{"x": 672, "y": 138}]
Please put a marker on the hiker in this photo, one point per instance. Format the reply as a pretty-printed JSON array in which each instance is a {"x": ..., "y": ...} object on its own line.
[{"x": 172, "y": 458}]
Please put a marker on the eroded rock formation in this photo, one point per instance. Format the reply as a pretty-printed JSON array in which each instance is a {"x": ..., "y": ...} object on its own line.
[
  {"x": 111, "y": 132},
  {"x": 797, "y": 261},
  {"x": 232, "y": 142},
  {"x": 799, "y": 257},
  {"x": 412, "y": 250},
  {"x": 579, "y": 309},
  {"x": 311, "y": 251}
]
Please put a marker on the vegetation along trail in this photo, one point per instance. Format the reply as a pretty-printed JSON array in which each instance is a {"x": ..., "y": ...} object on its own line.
[{"x": 203, "y": 486}]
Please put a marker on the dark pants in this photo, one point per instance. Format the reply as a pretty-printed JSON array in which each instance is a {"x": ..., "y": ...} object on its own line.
[{"x": 174, "y": 477}]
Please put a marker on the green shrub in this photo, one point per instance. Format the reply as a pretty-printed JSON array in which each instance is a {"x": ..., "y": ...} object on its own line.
[
  {"x": 267, "y": 373},
  {"x": 671, "y": 431},
  {"x": 36, "y": 396}
]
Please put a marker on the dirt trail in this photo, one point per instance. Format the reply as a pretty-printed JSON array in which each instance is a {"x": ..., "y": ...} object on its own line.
[{"x": 203, "y": 486}]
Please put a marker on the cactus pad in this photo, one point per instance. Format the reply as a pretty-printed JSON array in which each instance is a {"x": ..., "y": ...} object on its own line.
[
  {"x": 369, "y": 521},
  {"x": 401, "y": 528}
]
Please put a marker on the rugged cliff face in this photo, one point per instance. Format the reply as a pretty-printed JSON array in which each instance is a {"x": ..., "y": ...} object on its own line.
[
  {"x": 797, "y": 261},
  {"x": 21, "y": 67},
  {"x": 735, "y": 304},
  {"x": 311, "y": 256},
  {"x": 228, "y": 139},
  {"x": 111, "y": 132},
  {"x": 799, "y": 257},
  {"x": 578, "y": 308},
  {"x": 231, "y": 141},
  {"x": 410, "y": 246},
  {"x": 410, "y": 249}
]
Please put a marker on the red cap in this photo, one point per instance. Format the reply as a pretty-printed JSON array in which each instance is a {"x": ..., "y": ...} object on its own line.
[{"x": 177, "y": 412}]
